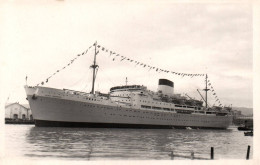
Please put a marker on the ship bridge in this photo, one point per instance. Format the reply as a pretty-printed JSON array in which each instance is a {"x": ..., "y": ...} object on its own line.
[{"x": 127, "y": 94}]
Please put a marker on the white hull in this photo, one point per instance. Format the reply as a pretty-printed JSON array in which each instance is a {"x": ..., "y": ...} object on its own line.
[{"x": 54, "y": 107}]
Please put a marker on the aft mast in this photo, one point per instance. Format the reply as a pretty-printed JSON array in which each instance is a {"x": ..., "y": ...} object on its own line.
[
  {"x": 94, "y": 66},
  {"x": 206, "y": 92}
]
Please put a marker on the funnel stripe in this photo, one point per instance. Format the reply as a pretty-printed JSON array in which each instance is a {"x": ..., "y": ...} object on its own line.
[{"x": 165, "y": 82}]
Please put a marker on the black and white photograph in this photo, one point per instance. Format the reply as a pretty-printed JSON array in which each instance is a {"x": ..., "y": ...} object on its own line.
[{"x": 137, "y": 81}]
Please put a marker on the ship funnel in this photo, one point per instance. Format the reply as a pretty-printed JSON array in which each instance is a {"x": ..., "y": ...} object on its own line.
[{"x": 166, "y": 87}]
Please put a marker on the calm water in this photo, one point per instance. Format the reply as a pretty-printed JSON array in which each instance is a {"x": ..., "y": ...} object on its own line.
[{"x": 122, "y": 144}]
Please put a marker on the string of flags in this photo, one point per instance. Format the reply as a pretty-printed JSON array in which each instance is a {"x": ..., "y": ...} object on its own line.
[
  {"x": 67, "y": 65},
  {"x": 217, "y": 100},
  {"x": 123, "y": 58},
  {"x": 117, "y": 56}
]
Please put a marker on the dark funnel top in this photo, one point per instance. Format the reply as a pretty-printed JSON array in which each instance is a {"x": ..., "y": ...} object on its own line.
[{"x": 165, "y": 82}]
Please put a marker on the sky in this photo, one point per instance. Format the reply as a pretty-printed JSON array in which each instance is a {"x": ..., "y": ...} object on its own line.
[{"x": 39, "y": 38}]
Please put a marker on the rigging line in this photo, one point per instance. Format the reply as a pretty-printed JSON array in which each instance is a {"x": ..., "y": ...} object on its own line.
[
  {"x": 84, "y": 88},
  {"x": 70, "y": 63},
  {"x": 211, "y": 100},
  {"x": 84, "y": 76},
  {"x": 88, "y": 77},
  {"x": 108, "y": 78}
]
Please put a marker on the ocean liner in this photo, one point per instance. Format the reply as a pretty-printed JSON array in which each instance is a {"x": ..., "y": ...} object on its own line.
[{"x": 128, "y": 106}]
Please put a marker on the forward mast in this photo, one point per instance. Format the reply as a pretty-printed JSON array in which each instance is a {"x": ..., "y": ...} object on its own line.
[{"x": 94, "y": 66}]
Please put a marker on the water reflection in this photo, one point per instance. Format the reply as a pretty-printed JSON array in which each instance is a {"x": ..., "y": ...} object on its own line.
[{"x": 103, "y": 143}]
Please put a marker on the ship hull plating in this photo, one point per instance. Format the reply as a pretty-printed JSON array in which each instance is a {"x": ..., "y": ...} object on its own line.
[
  {"x": 44, "y": 123},
  {"x": 60, "y": 110}
]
